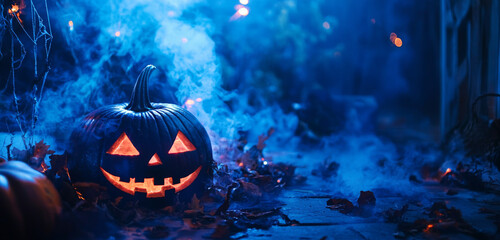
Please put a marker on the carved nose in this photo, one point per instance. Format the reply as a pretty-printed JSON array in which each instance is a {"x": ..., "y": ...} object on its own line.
[{"x": 155, "y": 160}]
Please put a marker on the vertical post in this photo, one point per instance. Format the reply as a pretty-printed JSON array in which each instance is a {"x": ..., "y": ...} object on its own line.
[
  {"x": 443, "y": 69},
  {"x": 497, "y": 7}
]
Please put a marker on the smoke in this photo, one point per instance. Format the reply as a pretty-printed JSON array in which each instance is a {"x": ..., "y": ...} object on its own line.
[{"x": 234, "y": 74}]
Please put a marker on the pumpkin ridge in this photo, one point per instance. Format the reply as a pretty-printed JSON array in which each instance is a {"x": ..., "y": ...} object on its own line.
[
  {"x": 154, "y": 125},
  {"x": 175, "y": 121},
  {"x": 160, "y": 123},
  {"x": 189, "y": 117},
  {"x": 180, "y": 117}
]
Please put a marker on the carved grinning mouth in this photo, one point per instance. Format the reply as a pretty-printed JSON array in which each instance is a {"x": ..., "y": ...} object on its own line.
[{"x": 148, "y": 186}]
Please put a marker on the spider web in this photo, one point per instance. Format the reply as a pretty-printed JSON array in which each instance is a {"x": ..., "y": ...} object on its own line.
[{"x": 39, "y": 34}]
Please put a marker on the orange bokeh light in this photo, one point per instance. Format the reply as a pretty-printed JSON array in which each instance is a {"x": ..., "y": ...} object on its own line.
[
  {"x": 398, "y": 42},
  {"x": 243, "y": 11},
  {"x": 326, "y": 25},
  {"x": 393, "y": 36}
]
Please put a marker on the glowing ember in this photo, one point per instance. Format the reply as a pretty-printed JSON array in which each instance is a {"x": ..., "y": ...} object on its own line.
[
  {"x": 428, "y": 228},
  {"x": 44, "y": 167},
  {"x": 447, "y": 171},
  {"x": 243, "y": 11},
  {"x": 199, "y": 99},
  {"x": 189, "y": 102},
  {"x": 117, "y": 33},
  {"x": 70, "y": 24},
  {"x": 79, "y": 195},
  {"x": 240, "y": 164}
]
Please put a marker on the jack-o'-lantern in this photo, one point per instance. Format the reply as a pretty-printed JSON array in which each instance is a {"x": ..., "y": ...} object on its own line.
[{"x": 143, "y": 149}]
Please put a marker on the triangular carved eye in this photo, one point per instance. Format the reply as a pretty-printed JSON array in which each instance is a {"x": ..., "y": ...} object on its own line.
[
  {"x": 123, "y": 147},
  {"x": 181, "y": 144}
]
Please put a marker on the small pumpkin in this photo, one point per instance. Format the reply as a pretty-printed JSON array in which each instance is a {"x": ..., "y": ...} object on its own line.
[
  {"x": 143, "y": 149},
  {"x": 29, "y": 203}
]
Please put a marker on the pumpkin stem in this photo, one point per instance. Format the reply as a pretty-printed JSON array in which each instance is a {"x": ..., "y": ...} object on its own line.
[{"x": 140, "y": 95}]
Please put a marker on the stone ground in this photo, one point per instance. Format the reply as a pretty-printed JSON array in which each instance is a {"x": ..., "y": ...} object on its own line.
[
  {"x": 307, "y": 205},
  {"x": 324, "y": 223}
]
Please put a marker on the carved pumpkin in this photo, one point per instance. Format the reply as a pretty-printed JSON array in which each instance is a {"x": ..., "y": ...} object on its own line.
[
  {"x": 142, "y": 149},
  {"x": 29, "y": 203}
]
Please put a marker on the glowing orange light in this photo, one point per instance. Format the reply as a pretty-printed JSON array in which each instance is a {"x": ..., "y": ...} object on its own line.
[
  {"x": 148, "y": 186},
  {"x": 393, "y": 36},
  {"x": 395, "y": 40},
  {"x": 44, "y": 167},
  {"x": 70, "y": 23},
  {"x": 278, "y": 181},
  {"x": 14, "y": 9},
  {"x": 117, "y": 33},
  {"x": 240, "y": 164},
  {"x": 326, "y": 25},
  {"x": 155, "y": 160},
  {"x": 447, "y": 171},
  {"x": 243, "y": 11},
  {"x": 123, "y": 147},
  {"x": 181, "y": 144},
  {"x": 199, "y": 99},
  {"x": 398, "y": 42},
  {"x": 189, "y": 102},
  {"x": 428, "y": 228},
  {"x": 244, "y": 2}
]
